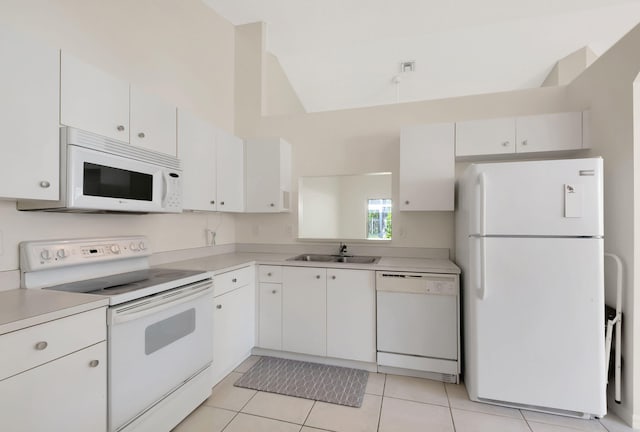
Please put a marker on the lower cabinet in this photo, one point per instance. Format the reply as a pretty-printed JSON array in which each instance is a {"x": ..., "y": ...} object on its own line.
[
  {"x": 318, "y": 311},
  {"x": 304, "y": 310},
  {"x": 351, "y": 314},
  {"x": 68, "y": 394},
  {"x": 233, "y": 327}
]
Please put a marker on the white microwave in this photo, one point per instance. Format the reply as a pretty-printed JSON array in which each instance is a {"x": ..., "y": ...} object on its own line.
[{"x": 100, "y": 174}]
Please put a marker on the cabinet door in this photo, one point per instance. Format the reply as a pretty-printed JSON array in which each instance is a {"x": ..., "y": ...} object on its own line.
[
  {"x": 351, "y": 312},
  {"x": 230, "y": 172},
  {"x": 196, "y": 149},
  {"x": 153, "y": 122},
  {"x": 486, "y": 137},
  {"x": 233, "y": 329},
  {"x": 304, "y": 310},
  {"x": 427, "y": 167},
  {"x": 549, "y": 132},
  {"x": 29, "y": 109},
  {"x": 68, "y": 394},
  {"x": 270, "y": 313},
  {"x": 268, "y": 175},
  {"x": 92, "y": 100}
]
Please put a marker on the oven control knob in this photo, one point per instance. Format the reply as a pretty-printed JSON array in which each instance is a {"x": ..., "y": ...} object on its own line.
[
  {"x": 133, "y": 246},
  {"x": 61, "y": 253},
  {"x": 45, "y": 254},
  {"x": 114, "y": 248},
  {"x": 142, "y": 246}
]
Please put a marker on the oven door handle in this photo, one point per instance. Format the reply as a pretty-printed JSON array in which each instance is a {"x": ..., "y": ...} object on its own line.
[{"x": 121, "y": 314}]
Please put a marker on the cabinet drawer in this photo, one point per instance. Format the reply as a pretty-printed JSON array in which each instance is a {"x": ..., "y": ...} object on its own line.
[
  {"x": 231, "y": 280},
  {"x": 33, "y": 346},
  {"x": 270, "y": 274}
]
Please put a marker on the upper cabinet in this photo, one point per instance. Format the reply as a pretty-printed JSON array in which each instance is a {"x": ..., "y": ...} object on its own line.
[
  {"x": 535, "y": 133},
  {"x": 153, "y": 122},
  {"x": 427, "y": 167},
  {"x": 29, "y": 109},
  {"x": 268, "y": 175},
  {"x": 197, "y": 151},
  {"x": 230, "y": 172},
  {"x": 212, "y": 166},
  {"x": 93, "y": 100}
]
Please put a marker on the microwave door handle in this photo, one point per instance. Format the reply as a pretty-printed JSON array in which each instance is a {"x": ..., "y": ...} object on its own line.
[
  {"x": 145, "y": 309},
  {"x": 164, "y": 186}
]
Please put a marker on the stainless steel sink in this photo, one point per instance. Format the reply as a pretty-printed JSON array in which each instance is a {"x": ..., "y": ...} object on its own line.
[{"x": 336, "y": 258}]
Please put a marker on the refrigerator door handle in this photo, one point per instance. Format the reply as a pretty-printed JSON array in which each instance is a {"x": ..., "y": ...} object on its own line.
[
  {"x": 482, "y": 183},
  {"x": 482, "y": 288}
]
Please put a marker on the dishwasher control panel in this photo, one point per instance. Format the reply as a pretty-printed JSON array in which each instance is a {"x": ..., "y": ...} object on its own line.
[{"x": 417, "y": 283}]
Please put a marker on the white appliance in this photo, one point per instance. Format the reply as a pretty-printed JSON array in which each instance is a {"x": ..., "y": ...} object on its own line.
[
  {"x": 529, "y": 240},
  {"x": 417, "y": 324},
  {"x": 159, "y": 325},
  {"x": 99, "y": 174}
]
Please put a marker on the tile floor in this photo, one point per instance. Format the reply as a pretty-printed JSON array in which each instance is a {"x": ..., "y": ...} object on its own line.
[{"x": 391, "y": 404}]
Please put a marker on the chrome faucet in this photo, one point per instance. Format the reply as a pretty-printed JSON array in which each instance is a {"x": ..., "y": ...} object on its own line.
[{"x": 343, "y": 249}]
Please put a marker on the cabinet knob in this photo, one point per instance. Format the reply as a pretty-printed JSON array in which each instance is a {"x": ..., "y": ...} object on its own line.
[
  {"x": 94, "y": 363},
  {"x": 41, "y": 345},
  {"x": 272, "y": 205},
  {"x": 317, "y": 276},
  {"x": 524, "y": 142},
  {"x": 234, "y": 280},
  {"x": 274, "y": 291},
  {"x": 269, "y": 274},
  {"x": 333, "y": 277},
  {"x": 141, "y": 135},
  {"x": 120, "y": 128},
  {"x": 212, "y": 202},
  {"x": 44, "y": 184},
  {"x": 219, "y": 306},
  {"x": 505, "y": 144},
  {"x": 407, "y": 202},
  {"x": 221, "y": 202}
]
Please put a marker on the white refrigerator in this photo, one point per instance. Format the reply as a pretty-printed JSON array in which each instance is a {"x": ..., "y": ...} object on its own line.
[{"x": 529, "y": 240}]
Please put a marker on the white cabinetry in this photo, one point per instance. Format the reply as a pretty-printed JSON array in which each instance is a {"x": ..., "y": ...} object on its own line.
[
  {"x": 351, "y": 314},
  {"x": 53, "y": 376},
  {"x": 153, "y": 122},
  {"x": 427, "y": 167},
  {"x": 233, "y": 319},
  {"x": 230, "y": 172},
  {"x": 268, "y": 175},
  {"x": 29, "y": 108},
  {"x": 528, "y": 134},
  {"x": 197, "y": 151},
  {"x": 304, "y": 310},
  {"x": 93, "y": 100},
  {"x": 270, "y": 307}
]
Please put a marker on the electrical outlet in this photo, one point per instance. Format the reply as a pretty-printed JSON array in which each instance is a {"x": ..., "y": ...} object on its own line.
[
  {"x": 288, "y": 230},
  {"x": 255, "y": 230},
  {"x": 1, "y": 244}
]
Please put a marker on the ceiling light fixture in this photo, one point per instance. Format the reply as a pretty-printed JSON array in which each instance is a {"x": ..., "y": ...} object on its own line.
[{"x": 408, "y": 66}]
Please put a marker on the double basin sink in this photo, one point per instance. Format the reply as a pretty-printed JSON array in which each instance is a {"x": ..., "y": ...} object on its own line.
[{"x": 351, "y": 259}]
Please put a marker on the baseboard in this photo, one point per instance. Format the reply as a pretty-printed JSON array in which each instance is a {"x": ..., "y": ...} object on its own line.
[
  {"x": 625, "y": 414},
  {"x": 370, "y": 367}
]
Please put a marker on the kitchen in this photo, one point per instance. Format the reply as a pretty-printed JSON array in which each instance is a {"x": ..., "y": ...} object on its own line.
[{"x": 366, "y": 140}]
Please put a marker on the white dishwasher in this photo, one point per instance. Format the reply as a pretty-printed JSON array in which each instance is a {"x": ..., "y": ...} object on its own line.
[{"x": 418, "y": 324}]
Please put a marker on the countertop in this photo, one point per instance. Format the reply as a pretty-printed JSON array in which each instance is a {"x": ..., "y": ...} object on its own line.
[
  {"x": 21, "y": 308},
  {"x": 222, "y": 263}
]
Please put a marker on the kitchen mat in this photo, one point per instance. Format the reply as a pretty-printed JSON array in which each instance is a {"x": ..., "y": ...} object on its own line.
[{"x": 333, "y": 384}]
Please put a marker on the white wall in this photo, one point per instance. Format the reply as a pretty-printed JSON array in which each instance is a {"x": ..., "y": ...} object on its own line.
[
  {"x": 180, "y": 50},
  {"x": 607, "y": 88}
]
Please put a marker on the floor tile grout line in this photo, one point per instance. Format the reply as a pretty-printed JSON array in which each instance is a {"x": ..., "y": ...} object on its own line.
[
  {"x": 384, "y": 385},
  {"x": 304, "y": 423},
  {"x": 526, "y": 420},
  {"x": 420, "y": 402}
]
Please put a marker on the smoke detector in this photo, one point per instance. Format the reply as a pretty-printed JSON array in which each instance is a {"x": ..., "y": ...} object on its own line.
[{"x": 407, "y": 66}]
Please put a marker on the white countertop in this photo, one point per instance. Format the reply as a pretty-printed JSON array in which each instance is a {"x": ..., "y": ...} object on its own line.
[
  {"x": 226, "y": 262},
  {"x": 21, "y": 308}
]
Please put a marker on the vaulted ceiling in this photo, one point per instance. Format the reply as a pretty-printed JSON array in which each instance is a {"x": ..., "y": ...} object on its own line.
[{"x": 346, "y": 53}]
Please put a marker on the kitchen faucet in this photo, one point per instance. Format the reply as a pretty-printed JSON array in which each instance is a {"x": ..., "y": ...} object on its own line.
[{"x": 343, "y": 249}]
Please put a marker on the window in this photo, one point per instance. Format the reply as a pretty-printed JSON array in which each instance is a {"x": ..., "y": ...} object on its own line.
[{"x": 379, "y": 219}]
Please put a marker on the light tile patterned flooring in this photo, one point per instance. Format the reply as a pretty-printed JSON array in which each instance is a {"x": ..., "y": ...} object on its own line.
[{"x": 391, "y": 404}]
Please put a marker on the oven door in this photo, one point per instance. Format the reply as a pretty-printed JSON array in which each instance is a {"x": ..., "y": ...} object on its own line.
[
  {"x": 155, "y": 344},
  {"x": 102, "y": 181}
]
